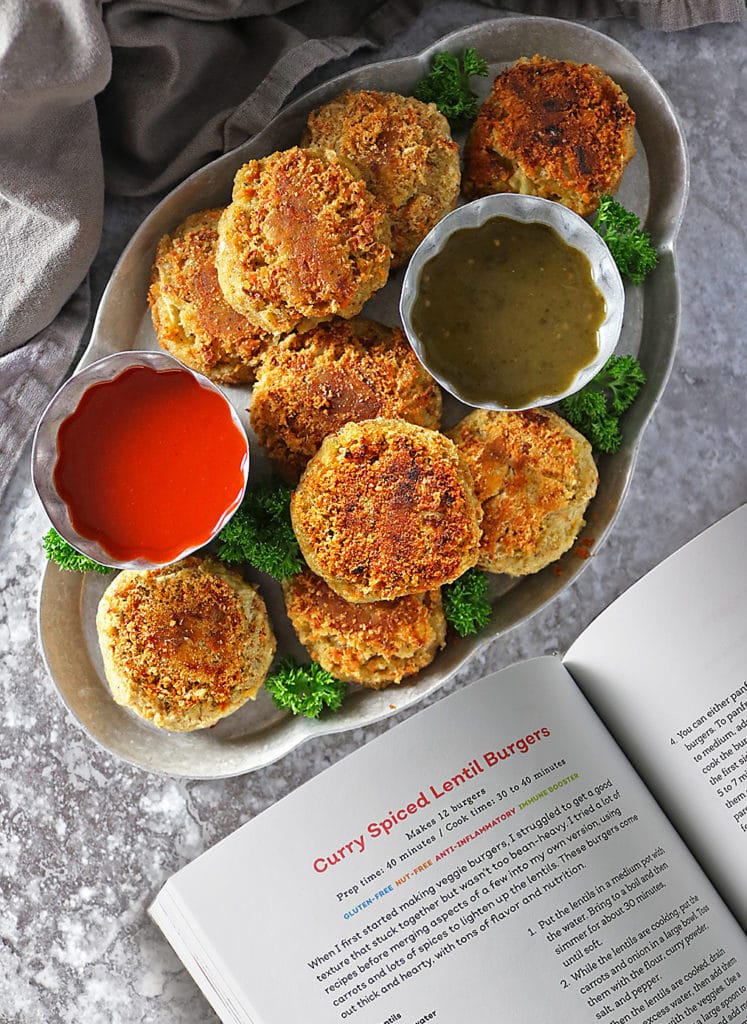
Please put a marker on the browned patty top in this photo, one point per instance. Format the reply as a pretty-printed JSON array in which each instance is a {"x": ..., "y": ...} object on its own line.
[
  {"x": 404, "y": 151},
  {"x": 383, "y": 628},
  {"x": 387, "y": 508},
  {"x": 525, "y": 464},
  {"x": 181, "y": 635},
  {"x": 184, "y": 271},
  {"x": 303, "y": 238},
  {"x": 339, "y": 371},
  {"x": 570, "y": 121}
]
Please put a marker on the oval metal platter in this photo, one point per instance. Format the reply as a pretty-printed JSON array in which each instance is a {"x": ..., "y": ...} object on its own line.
[{"x": 655, "y": 185}]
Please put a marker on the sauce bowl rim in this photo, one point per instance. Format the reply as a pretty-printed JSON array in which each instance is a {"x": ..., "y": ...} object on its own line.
[
  {"x": 64, "y": 402},
  {"x": 527, "y": 209}
]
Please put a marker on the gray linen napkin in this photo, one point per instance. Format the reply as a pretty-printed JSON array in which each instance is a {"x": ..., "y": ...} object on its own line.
[{"x": 177, "y": 82}]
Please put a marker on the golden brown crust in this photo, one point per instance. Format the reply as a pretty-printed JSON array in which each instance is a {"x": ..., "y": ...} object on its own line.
[
  {"x": 404, "y": 151},
  {"x": 184, "y": 645},
  {"x": 191, "y": 318},
  {"x": 311, "y": 384},
  {"x": 551, "y": 128},
  {"x": 302, "y": 241},
  {"x": 373, "y": 644},
  {"x": 386, "y": 508},
  {"x": 534, "y": 476}
]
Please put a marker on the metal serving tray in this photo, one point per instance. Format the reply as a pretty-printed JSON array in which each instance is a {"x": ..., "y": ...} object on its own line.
[{"x": 655, "y": 186}]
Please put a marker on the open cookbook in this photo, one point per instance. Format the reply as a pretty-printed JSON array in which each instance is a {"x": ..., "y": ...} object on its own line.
[{"x": 565, "y": 840}]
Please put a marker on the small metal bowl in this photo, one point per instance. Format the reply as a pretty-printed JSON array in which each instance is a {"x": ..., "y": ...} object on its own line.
[
  {"x": 63, "y": 404},
  {"x": 574, "y": 230}
]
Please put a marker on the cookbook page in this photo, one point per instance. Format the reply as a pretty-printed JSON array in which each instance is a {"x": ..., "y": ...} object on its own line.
[
  {"x": 665, "y": 666},
  {"x": 495, "y": 855}
]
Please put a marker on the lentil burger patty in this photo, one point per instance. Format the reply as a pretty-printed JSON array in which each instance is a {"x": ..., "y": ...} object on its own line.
[
  {"x": 311, "y": 384},
  {"x": 375, "y": 643},
  {"x": 191, "y": 318},
  {"x": 184, "y": 645},
  {"x": 404, "y": 150},
  {"x": 554, "y": 129},
  {"x": 303, "y": 240},
  {"x": 386, "y": 508},
  {"x": 534, "y": 476}
]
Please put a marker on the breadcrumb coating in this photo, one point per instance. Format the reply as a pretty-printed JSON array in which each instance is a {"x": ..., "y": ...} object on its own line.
[
  {"x": 404, "y": 151},
  {"x": 386, "y": 508},
  {"x": 311, "y": 384},
  {"x": 184, "y": 645},
  {"x": 373, "y": 644},
  {"x": 551, "y": 128},
  {"x": 191, "y": 318},
  {"x": 534, "y": 476},
  {"x": 302, "y": 241}
]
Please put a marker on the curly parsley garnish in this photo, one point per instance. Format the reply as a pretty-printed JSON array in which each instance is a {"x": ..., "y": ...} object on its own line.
[
  {"x": 447, "y": 85},
  {"x": 63, "y": 554},
  {"x": 595, "y": 410},
  {"x": 630, "y": 246},
  {"x": 261, "y": 533},
  {"x": 466, "y": 604},
  {"x": 305, "y": 689}
]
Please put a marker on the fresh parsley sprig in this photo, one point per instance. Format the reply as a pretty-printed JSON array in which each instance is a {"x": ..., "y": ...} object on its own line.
[
  {"x": 305, "y": 689},
  {"x": 466, "y": 604},
  {"x": 261, "y": 533},
  {"x": 630, "y": 246},
  {"x": 447, "y": 85},
  {"x": 57, "y": 550},
  {"x": 595, "y": 410}
]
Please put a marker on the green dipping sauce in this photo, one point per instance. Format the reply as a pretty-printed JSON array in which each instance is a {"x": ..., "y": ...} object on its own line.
[{"x": 508, "y": 312}]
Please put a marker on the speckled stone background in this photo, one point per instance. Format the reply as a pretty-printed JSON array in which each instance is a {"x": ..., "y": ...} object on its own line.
[{"x": 86, "y": 842}]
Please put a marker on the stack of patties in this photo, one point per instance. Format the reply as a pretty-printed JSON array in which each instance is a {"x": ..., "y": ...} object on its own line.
[
  {"x": 386, "y": 509},
  {"x": 302, "y": 241},
  {"x": 404, "y": 151},
  {"x": 385, "y": 514},
  {"x": 309, "y": 235},
  {"x": 267, "y": 292}
]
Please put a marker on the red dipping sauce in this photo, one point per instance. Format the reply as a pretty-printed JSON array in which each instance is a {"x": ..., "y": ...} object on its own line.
[{"x": 151, "y": 464}]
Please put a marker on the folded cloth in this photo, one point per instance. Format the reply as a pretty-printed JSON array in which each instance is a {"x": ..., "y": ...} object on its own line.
[{"x": 177, "y": 82}]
